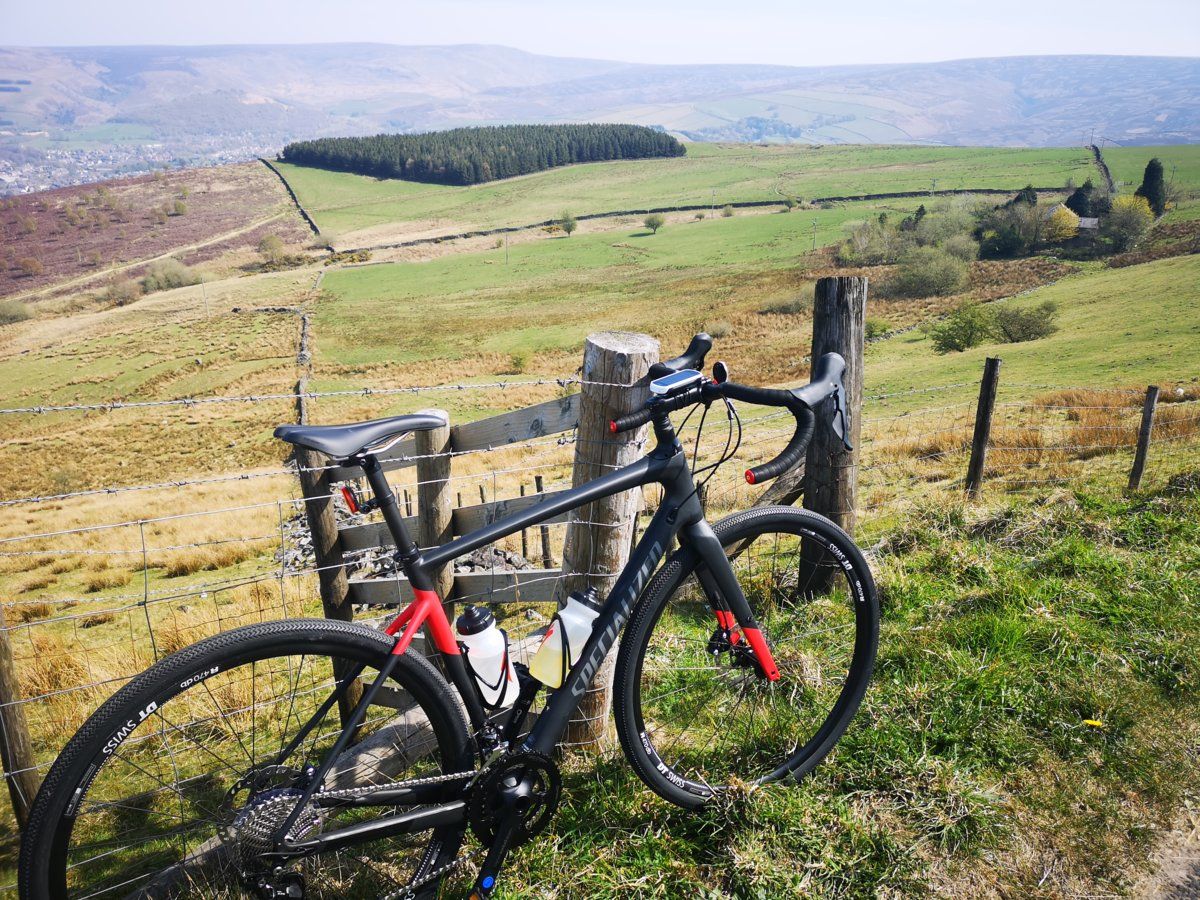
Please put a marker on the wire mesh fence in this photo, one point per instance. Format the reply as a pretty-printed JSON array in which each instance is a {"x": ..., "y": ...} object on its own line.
[{"x": 98, "y": 584}]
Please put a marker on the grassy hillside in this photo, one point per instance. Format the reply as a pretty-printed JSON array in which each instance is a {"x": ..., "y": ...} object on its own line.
[
  {"x": 1180, "y": 161},
  {"x": 345, "y": 206}
]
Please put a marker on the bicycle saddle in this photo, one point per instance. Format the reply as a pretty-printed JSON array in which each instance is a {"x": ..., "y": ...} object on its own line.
[{"x": 345, "y": 441}]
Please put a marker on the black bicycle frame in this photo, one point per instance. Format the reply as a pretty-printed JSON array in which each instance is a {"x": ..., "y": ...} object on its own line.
[{"x": 680, "y": 516}]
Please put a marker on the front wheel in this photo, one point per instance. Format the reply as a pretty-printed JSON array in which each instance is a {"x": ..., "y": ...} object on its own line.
[
  {"x": 695, "y": 713},
  {"x": 175, "y": 786}
]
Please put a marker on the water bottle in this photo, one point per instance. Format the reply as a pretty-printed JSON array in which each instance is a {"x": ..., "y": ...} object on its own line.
[
  {"x": 568, "y": 632},
  {"x": 485, "y": 649}
]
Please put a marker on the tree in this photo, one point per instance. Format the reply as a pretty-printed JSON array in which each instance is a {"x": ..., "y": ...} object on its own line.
[
  {"x": 1062, "y": 226},
  {"x": 1080, "y": 201},
  {"x": 179, "y": 208},
  {"x": 166, "y": 274},
  {"x": 1026, "y": 195},
  {"x": 929, "y": 272},
  {"x": 1153, "y": 188},
  {"x": 1129, "y": 219},
  {"x": 700, "y": 216},
  {"x": 727, "y": 211},
  {"x": 789, "y": 204},
  {"x": 270, "y": 248},
  {"x": 122, "y": 292},
  {"x": 567, "y": 222},
  {"x": 968, "y": 326},
  {"x": 1015, "y": 325},
  {"x": 654, "y": 221}
]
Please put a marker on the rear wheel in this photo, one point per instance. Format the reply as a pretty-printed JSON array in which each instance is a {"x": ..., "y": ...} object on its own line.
[
  {"x": 695, "y": 712},
  {"x": 175, "y": 786}
]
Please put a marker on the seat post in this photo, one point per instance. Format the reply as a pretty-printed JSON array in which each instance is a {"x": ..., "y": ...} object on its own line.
[{"x": 407, "y": 552}]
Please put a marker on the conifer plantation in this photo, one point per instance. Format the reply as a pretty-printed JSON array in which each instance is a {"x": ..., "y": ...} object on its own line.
[{"x": 475, "y": 155}]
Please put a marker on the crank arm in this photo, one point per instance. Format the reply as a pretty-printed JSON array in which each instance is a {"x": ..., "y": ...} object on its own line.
[{"x": 485, "y": 881}]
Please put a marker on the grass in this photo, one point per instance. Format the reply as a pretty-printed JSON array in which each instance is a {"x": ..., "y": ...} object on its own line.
[
  {"x": 1030, "y": 727},
  {"x": 358, "y": 209},
  {"x": 1180, "y": 163}
]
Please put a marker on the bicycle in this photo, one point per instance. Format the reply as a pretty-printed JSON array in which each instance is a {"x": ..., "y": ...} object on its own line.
[{"x": 265, "y": 761}]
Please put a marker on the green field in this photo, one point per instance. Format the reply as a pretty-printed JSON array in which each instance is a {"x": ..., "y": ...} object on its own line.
[
  {"x": 1132, "y": 326},
  {"x": 343, "y": 204},
  {"x": 1181, "y": 163},
  {"x": 554, "y": 291}
]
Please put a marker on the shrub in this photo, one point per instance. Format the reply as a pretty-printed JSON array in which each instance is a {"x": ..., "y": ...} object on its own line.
[
  {"x": 1129, "y": 219},
  {"x": 122, "y": 292},
  {"x": 1003, "y": 242},
  {"x": 967, "y": 326},
  {"x": 700, "y": 216},
  {"x": 270, "y": 248},
  {"x": 13, "y": 311},
  {"x": 30, "y": 266},
  {"x": 875, "y": 329},
  {"x": 929, "y": 272},
  {"x": 654, "y": 221},
  {"x": 726, "y": 210},
  {"x": 1062, "y": 226},
  {"x": 567, "y": 222},
  {"x": 718, "y": 329},
  {"x": 788, "y": 307},
  {"x": 788, "y": 204},
  {"x": 1015, "y": 325},
  {"x": 167, "y": 274},
  {"x": 179, "y": 208},
  {"x": 961, "y": 246}
]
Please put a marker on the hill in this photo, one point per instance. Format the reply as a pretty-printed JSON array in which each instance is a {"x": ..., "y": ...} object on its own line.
[{"x": 85, "y": 113}]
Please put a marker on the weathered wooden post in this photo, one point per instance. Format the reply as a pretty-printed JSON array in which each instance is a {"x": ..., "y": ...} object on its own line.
[
  {"x": 831, "y": 471},
  {"x": 615, "y": 366},
  {"x": 544, "y": 530},
  {"x": 983, "y": 425},
  {"x": 524, "y": 535},
  {"x": 16, "y": 753},
  {"x": 434, "y": 512},
  {"x": 327, "y": 550},
  {"x": 1143, "y": 440}
]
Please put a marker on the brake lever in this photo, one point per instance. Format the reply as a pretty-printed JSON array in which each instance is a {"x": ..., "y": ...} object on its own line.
[{"x": 841, "y": 418}]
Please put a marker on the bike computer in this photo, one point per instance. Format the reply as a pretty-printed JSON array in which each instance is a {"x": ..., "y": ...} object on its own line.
[{"x": 669, "y": 384}]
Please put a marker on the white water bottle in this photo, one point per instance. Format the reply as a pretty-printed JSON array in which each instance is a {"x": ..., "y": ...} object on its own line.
[
  {"x": 485, "y": 648},
  {"x": 568, "y": 632}
]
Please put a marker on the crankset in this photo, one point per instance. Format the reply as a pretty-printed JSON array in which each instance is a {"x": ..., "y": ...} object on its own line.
[{"x": 523, "y": 782}]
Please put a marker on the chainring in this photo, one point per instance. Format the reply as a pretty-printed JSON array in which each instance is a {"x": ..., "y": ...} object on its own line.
[{"x": 486, "y": 804}]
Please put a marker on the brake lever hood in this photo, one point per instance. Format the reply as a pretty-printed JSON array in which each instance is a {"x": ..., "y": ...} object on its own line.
[{"x": 828, "y": 380}]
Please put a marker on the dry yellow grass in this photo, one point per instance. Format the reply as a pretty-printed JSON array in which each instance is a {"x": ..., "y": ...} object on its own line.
[
  {"x": 93, "y": 582},
  {"x": 30, "y": 612}
]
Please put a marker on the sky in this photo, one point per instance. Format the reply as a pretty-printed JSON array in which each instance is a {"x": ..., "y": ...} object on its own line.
[{"x": 799, "y": 32}]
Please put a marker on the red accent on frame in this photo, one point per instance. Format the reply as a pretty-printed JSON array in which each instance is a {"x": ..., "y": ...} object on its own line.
[
  {"x": 749, "y": 476},
  {"x": 762, "y": 653},
  {"x": 426, "y": 607},
  {"x": 726, "y": 620}
]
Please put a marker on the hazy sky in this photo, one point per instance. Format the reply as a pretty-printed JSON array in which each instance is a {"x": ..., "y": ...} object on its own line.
[{"x": 800, "y": 32}]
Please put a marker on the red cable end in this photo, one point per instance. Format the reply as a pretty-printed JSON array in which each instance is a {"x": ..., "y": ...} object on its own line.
[
  {"x": 612, "y": 425},
  {"x": 749, "y": 476}
]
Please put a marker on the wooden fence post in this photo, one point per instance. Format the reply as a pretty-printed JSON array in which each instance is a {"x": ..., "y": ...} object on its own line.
[
  {"x": 16, "y": 752},
  {"x": 830, "y": 471},
  {"x": 327, "y": 550},
  {"x": 544, "y": 530},
  {"x": 434, "y": 512},
  {"x": 1143, "y": 440},
  {"x": 615, "y": 366},
  {"x": 983, "y": 425}
]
